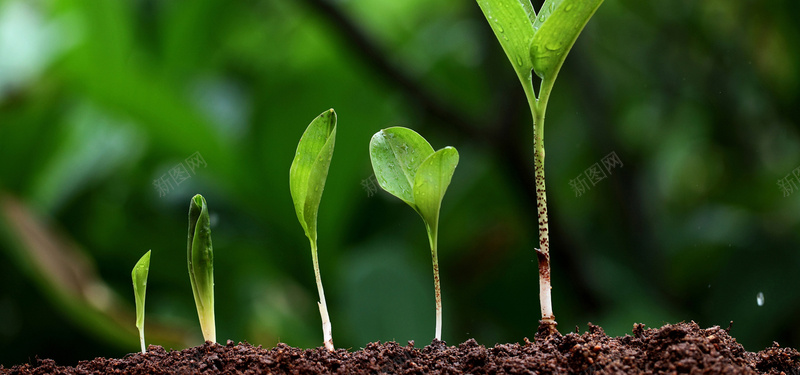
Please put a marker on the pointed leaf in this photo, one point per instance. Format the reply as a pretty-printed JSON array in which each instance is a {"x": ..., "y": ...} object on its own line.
[
  {"x": 431, "y": 181},
  {"x": 556, "y": 35},
  {"x": 396, "y": 153},
  {"x": 201, "y": 265},
  {"x": 309, "y": 169},
  {"x": 139, "y": 277},
  {"x": 511, "y": 22}
]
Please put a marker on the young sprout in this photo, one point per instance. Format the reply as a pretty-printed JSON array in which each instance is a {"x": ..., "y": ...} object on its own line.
[
  {"x": 200, "y": 256},
  {"x": 139, "y": 277},
  {"x": 307, "y": 177},
  {"x": 539, "y": 44},
  {"x": 407, "y": 167}
]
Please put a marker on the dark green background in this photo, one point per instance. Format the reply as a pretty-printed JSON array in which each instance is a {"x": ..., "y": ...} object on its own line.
[{"x": 98, "y": 98}]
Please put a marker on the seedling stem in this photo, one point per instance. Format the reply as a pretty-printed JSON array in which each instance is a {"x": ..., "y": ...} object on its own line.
[
  {"x": 433, "y": 236},
  {"x": 327, "y": 334}
]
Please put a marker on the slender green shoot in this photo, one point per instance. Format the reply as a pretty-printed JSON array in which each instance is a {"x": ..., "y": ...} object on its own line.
[
  {"x": 200, "y": 256},
  {"x": 539, "y": 43},
  {"x": 307, "y": 177},
  {"x": 406, "y": 166},
  {"x": 139, "y": 277}
]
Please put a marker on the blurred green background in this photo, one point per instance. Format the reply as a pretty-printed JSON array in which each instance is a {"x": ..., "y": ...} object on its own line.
[{"x": 100, "y": 98}]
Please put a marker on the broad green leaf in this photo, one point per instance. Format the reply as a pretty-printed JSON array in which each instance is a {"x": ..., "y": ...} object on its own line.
[
  {"x": 511, "y": 22},
  {"x": 431, "y": 181},
  {"x": 139, "y": 277},
  {"x": 309, "y": 169},
  {"x": 396, "y": 153},
  {"x": 563, "y": 21},
  {"x": 201, "y": 265}
]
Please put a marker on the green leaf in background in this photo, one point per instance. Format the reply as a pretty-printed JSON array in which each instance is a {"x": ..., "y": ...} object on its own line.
[
  {"x": 201, "y": 265},
  {"x": 406, "y": 166},
  {"x": 307, "y": 177},
  {"x": 431, "y": 181},
  {"x": 139, "y": 277},
  {"x": 309, "y": 169},
  {"x": 564, "y": 21},
  {"x": 396, "y": 154},
  {"x": 511, "y": 21}
]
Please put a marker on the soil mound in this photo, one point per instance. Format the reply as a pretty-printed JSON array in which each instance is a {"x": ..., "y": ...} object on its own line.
[{"x": 680, "y": 348}]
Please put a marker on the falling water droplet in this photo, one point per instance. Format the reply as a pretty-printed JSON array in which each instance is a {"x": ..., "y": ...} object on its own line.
[{"x": 760, "y": 299}]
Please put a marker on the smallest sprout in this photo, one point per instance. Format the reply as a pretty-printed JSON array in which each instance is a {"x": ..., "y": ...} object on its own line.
[{"x": 139, "y": 276}]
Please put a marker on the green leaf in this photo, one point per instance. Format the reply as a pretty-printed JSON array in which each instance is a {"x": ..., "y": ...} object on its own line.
[
  {"x": 396, "y": 154},
  {"x": 431, "y": 181},
  {"x": 309, "y": 169},
  {"x": 511, "y": 22},
  {"x": 139, "y": 277},
  {"x": 547, "y": 9},
  {"x": 201, "y": 265},
  {"x": 562, "y": 22}
]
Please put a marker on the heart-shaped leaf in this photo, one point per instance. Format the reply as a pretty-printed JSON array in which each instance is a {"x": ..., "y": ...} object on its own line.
[
  {"x": 431, "y": 181},
  {"x": 309, "y": 169},
  {"x": 511, "y": 21},
  {"x": 561, "y": 23},
  {"x": 396, "y": 154}
]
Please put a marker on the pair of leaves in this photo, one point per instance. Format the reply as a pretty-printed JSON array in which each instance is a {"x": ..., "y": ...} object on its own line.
[
  {"x": 200, "y": 258},
  {"x": 538, "y": 42},
  {"x": 309, "y": 169},
  {"x": 406, "y": 166}
]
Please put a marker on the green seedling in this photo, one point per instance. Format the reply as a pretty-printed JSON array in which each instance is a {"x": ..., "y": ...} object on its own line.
[
  {"x": 407, "y": 167},
  {"x": 200, "y": 257},
  {"x": 307, "y": 177},
  {"x": 139, "y": 277},
  {"x": 538, "y": 44}
]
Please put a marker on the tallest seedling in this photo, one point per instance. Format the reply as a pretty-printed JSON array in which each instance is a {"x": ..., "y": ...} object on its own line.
[{"x": 538, "y": 44}]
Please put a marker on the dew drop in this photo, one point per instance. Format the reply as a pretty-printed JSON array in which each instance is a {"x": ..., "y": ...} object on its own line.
[
  {"x": 519, "y": 60},
  {"x": 500, "y": 29},
  {"x": 760, "y": 299},
  {"x": 541, "y": 18},
  {"x": 568, "y": 8}
]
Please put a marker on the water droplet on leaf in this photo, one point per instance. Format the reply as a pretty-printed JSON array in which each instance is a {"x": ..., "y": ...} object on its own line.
[{"x": 760, "y": 299}]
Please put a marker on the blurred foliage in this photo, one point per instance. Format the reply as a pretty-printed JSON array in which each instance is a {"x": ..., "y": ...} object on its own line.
[{"x": 99, "y": 99}]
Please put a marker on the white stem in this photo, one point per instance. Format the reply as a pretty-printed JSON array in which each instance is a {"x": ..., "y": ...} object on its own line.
[
  {"x": 326, "y": 325},
  {"x": 327, "y": 334},
  {"x": 141, "y": 338}
]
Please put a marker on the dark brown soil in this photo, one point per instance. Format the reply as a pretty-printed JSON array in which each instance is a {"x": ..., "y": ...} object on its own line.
[{"x": 671, "y": 349}]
